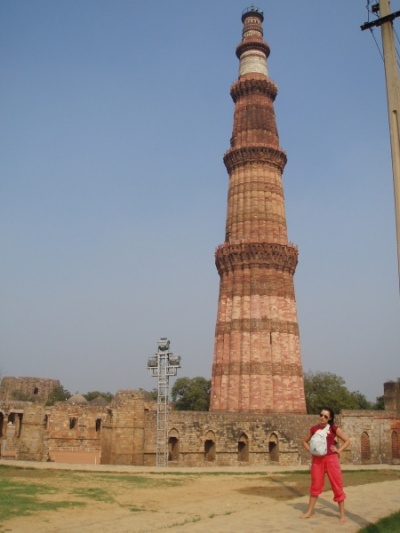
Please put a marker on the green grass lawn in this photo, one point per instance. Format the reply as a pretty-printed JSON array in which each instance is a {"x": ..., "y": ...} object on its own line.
[{"x": 390, "y": 524}]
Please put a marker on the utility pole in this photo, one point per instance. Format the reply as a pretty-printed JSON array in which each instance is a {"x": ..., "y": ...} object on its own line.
[{"x": 393, "y": 99}]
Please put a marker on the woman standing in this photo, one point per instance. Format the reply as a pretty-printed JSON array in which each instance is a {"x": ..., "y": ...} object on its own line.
[{"x": 328, "y": 463}]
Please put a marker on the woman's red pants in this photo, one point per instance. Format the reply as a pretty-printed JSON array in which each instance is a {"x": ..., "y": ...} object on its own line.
[{"x": 330, "y": 465}]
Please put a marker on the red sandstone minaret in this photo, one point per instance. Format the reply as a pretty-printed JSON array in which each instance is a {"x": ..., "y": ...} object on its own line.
[{"x": 257, "y": 362}]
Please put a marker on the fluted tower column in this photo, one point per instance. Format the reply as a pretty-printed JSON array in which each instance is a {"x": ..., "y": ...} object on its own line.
[{"x": 257, "y": 362}]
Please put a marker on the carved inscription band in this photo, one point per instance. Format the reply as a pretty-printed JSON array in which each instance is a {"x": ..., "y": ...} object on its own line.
[
  {"x": 273, "y": 285},
  {"x": 250, "y": 155},
  {"x": 267, "y": 255},
  {"x": 261, "y": 369},
  {"x": 244, "y": 88},
  {"x": 254, "y": 325}
]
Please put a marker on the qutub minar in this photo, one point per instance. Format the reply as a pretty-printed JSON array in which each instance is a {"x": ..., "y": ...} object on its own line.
[
  {"x": 257, "y": 399},
  {"x": 257, "y": 361}
]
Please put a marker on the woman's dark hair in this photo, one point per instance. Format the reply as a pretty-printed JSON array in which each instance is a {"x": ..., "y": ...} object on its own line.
[{"x": 331, "y": 413}]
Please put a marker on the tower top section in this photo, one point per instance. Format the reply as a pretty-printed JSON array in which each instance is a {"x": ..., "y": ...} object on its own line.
[
  {"x": 251, "y": 11},
  {"x": 252, "y": 51}
]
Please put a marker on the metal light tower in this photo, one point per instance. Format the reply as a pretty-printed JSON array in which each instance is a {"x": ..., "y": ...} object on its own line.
[{"x": 162, "y": 365}]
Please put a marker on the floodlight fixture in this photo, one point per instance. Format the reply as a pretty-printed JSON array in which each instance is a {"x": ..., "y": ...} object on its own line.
[
  {"x": 152, "y": 361},
  {"x": 174, "y": 360},
  {"x": 163, "y": 344}
]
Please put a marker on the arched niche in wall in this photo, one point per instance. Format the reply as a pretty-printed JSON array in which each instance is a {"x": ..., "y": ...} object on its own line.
[
  {"x": 395, "y": 444},
  {"x": 173, "y": 445},
  {"x": 243, "y": 448},
  {"x": 14, "y": 423},
  {"x": 209, "y": 446},
  {"x": 365, "y": 448},
  {"x": 273, "y": 448}
]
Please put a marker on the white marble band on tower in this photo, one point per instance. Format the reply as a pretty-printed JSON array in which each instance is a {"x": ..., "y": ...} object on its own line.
[{"x": 253, "y": 61}]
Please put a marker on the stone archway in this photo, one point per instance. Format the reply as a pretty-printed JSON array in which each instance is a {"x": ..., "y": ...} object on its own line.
[
  {"x": 14, "y": 424},
  {"x": 395, "y": 445},
  {"x": 273, "y": 448},
  {"x": 173, "y": 445},
  {"x": 243, "y": 448},
  {"x": 365, "y": 448},
  {"x": 210, "y": 446}
]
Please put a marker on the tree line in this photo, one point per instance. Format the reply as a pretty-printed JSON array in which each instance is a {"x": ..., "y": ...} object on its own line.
[
  {"x": 193, "y": 394},
  {"x": 321, "y": 388}
]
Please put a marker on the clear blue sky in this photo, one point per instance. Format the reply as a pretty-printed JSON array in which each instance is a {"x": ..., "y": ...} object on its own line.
[{"x": 115, "y": 118}]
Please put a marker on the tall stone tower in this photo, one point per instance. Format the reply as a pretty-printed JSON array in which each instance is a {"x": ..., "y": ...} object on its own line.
[{"x": 257, "y": 362}]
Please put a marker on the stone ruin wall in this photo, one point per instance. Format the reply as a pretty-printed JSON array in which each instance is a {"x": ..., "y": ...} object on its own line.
[
  {"x": 74, "y": 432},
  {"x": 129, "y": 436},
  {"x": 373, "y": 436},
  {"x": 26, "y": 388},
  {"x": 63, "y": 433},
  {"x": 277, "y": 439},
  {"x": 31, "y": 431},
  {"x": 392, "y": 395},
  {"x": 233, "y": 439},
  {"x": 124, "y": 432},
  {"x": 32, "y": 443},
  {"x": 11, "y": 415}
]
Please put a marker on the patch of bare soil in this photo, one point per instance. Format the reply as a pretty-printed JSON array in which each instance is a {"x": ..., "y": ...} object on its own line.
[{"x": 153, "y": 502}]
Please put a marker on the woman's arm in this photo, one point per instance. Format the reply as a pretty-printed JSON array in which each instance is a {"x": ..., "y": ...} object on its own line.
[
  {"x": 306, "y": 441},
  {"x": 346, "y": 442}
]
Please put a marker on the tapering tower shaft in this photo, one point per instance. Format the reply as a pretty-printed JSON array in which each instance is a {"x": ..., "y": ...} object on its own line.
[{"x": 257, "y": 362}]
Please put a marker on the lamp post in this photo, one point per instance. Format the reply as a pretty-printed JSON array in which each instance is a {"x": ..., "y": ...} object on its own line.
[{"x": 162, "y": 365}]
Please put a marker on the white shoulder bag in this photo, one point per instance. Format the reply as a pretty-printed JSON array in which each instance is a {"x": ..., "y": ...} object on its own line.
[{"x": 318, "y": 444}]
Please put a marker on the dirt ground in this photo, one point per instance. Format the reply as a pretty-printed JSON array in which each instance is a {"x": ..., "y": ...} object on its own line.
[{"x": 149, "y": 502}]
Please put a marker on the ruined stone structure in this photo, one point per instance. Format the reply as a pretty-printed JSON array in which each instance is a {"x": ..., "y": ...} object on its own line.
[
  {"x": 27, "y": 389},
  {"x": 198, "y": 438},
  {"x": 124, "y": 432},
  {"x": 68, "y": 431},
  {"x": 374, "y": 435},
  {"x": 257, "y": 363},
  {"x": 392, "y": 396},
  {"x": 124, "y": 435}
]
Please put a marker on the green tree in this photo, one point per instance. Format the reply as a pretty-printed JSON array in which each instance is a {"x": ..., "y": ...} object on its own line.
[
  {"x": 154, "y": 394},
  {"x": 59, "y": 394},
  {"x": 379, "y": 404},
  {"x": 327, "y": 389},
  {"x": 362, "y": 401},
  {"x": 95, "y": 394},
  {"x": 191, "y": 394}
]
